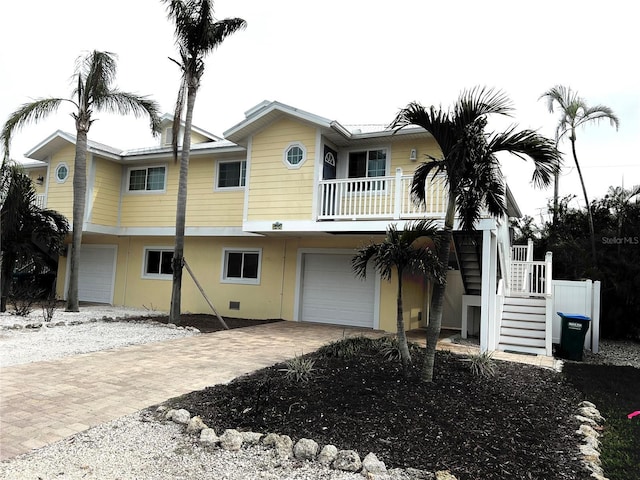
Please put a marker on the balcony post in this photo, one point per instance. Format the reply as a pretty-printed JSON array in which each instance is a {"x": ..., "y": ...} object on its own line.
[{"x": 399, "y": 187}]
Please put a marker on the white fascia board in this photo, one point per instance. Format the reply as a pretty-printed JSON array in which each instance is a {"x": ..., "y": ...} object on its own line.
[
  {"x": 168, "y": 231},
  {"x": 310, "y": 226}
]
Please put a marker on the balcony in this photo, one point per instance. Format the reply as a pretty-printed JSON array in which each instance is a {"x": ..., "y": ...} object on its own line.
[
  {"x": 41, "y": 200},
  {"x": 380, "y": 198}
]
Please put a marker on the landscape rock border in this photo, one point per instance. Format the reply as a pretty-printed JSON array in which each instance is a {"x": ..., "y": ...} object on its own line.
[
  {"x": 37, "y": 326},
  {"x": 304, "y": 450},
  {"x": 590, "y": 424}
]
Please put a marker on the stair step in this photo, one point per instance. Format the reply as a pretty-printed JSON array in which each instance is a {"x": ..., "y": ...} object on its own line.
[
  {"x": 523, "y": 325},
  {"x": 529, "y": 301},
  {"x": 521, "y": 332},
  {"x": 526, "y": 342},
  {"x": 523, "y": 349},
  {"x": 525, "y": 309},
  {"x": 526, "y": 317}
]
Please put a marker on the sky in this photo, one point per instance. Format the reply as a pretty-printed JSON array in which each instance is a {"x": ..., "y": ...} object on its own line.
[{"x": 354, "y": 61}]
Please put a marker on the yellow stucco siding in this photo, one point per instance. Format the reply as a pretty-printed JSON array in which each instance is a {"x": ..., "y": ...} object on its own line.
[
  {"x": 60, "y": 194},
  {"x": 276, "y": 191},
  {"x": 104, "y": 191}
]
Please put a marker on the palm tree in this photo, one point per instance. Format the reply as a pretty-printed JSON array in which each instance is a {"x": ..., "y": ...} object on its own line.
[
  {"x": 30, "y": 234},
  {"x": 399, "y": 250},
  {"x": 472, "y": 173},
  {"x": 197, "y": 34},
  {"x": 575, "y": 112},
  {"x": 93, "y": 78}
]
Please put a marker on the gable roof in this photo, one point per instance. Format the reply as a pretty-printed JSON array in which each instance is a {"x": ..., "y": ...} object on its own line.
[
  {"x": 168, "y": 118},
  {"x": 268, "y": 112},
  {"x": 59, "y": 139}
]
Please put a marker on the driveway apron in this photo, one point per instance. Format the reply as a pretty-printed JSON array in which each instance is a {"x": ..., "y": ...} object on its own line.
[{"x": 43, "y": 402}]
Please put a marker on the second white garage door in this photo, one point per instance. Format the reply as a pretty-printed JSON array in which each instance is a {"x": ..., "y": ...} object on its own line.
[
  {"x": 331, "y": 293},
  {"x": 97, "y": 273}
]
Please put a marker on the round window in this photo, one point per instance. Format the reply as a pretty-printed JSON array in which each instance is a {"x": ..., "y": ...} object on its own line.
[
  {"x": 62, "y": 172},
  {"x": 295, "y": 155}
]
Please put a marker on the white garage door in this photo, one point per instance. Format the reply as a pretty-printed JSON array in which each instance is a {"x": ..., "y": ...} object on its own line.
[
  {"x": 331, "y": 293},
  {"x": 97, "y": 273}
]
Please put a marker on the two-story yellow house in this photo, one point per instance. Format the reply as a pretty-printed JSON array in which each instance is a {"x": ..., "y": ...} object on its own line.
[{"x": 275, "y": 212}]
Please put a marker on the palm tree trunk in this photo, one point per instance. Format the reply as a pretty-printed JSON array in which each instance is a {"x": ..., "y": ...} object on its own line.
[
  {"x": 181, "y": 210},
  {"x": 405, "y": 356},
  {"x": 437, "y": 300},
  {"x": 79, "y": 199},
  {"x": 592, "y": 232},
  {"x": 8, "y": 261}
]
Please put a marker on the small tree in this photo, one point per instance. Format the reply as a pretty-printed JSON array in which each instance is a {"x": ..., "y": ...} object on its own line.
[
  {"x": 30, "y": 234},
  {"x": 471, "y": 171},
  {"x": 399, "y": 250}
]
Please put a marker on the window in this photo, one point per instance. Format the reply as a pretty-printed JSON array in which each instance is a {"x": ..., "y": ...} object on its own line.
[
  {"x": 62, "y": 172},
  {"x": 146, "y": 179},
  {"x": 368, "y": 164},
  {"x": 241, "y": 266},
  {"x": 157, "y": 263},
  {"x": 232, "y": 174},
  {"x": 294, "y": 155}
]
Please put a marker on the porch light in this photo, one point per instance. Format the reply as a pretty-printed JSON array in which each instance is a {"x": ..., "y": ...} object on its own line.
[
  {"x": 40, "y": 180},
  {"x": 413, "y": 156}
]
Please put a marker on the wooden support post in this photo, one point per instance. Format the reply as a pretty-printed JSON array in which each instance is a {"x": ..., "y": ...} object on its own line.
[{"x": 186, "y": 265}]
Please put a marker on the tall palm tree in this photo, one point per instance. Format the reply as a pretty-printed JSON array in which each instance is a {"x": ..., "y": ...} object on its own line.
[
  {"x": 399, "y": 250},
  {"x": 94, "y": 91},
  {"x": 472, "y": 173},
  {"x": 29, "y": 233},
  {"x": 575, "y": 112},
  {"x": 197, "y": 34}
]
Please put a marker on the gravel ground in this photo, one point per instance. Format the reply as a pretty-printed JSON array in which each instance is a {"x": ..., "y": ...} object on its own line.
[{"x": 132, "y": 447}]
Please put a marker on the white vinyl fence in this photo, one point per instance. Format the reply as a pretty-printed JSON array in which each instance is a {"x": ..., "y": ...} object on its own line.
[{"x": 578, "y": 298}]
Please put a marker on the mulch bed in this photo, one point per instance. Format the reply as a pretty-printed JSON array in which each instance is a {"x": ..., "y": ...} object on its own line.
[
  {"x": 210, "y": 323},
  {"x": 517, "y": 425}
]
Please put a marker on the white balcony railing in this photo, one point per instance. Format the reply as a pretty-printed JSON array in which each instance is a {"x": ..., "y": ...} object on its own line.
[
  {"x": 41, "y": 200},
  {"x": 379, "y": 198},
  {"x": 529, "y": 278}
]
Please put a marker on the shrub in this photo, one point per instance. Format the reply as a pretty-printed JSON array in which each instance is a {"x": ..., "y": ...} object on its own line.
[
  {"x": 347, "y": 347},
  {"x": 482, "y": 365},
  {"x": 389, "y": 349},
  {"x": 299, "y": 369}
]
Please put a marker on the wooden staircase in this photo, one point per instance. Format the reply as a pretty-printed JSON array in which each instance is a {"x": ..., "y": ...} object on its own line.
[
  {"x": 523, "y": 325},
  {"x": 468, "y": 253}
]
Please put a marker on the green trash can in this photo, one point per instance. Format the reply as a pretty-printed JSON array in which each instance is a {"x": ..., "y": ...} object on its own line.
[{"x": 574, "y": 330}]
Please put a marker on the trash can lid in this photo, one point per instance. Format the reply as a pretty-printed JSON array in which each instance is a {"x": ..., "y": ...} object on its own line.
[{"x": 574, "y": 316}]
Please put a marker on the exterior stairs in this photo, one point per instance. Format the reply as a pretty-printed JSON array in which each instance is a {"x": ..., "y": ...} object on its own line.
[
  {"x": 523, "y": 325},
  {"x": 468, "y": 247}
]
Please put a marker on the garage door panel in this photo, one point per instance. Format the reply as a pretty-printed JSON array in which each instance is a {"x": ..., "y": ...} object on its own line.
[
  {"x": 333, "y": 294},
  {"x": 96, "y": 274}
]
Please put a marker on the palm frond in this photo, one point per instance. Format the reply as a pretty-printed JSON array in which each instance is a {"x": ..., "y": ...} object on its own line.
[
  {"x": 28, "y": 113},
  {"x": 597, "y": 113},
  {"x": 361, "y": 259},
  {"x": 480, "y": 102},
  {"x": 126, "y": 103},
  {"x": 424, "y": 172},
  {"x": 529, "y": 144}
]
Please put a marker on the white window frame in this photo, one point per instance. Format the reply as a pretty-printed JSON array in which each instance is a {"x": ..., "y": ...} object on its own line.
[
  {"x": 155, "y": 276},
  {"x": 227, "y": 189},
  {"x": 58, "y": 167},
  {"x": 244, "y": 281},
  {"x": 285, "y": 155},
  {"x": 145, "y": 191},
  {"x": 387, "y": 167},
  {"x": 168, "y": 135}
]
